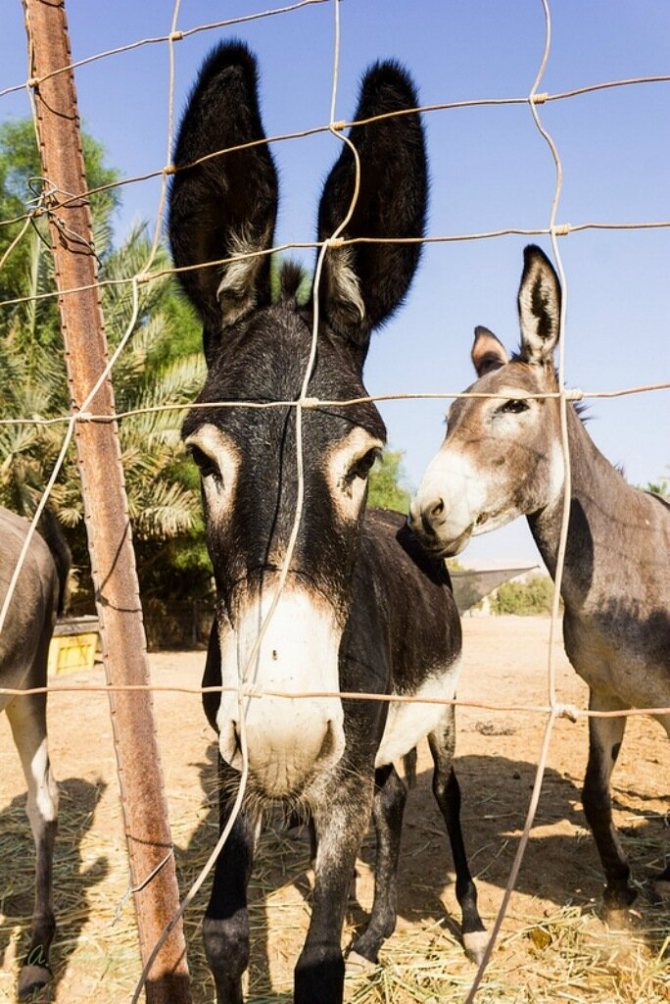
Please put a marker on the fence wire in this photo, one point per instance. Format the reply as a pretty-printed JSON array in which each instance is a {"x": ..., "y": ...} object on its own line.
[{"x": 50, "y": 201}]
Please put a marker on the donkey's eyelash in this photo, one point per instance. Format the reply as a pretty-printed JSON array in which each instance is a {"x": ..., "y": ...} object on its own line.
[
  {"x": 514, "y": 407},
  {"x": 362, "y": 467},
  {"x": 204, "y": 463}
]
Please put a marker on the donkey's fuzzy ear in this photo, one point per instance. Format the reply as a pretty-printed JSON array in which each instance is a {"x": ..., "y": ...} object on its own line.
[
  {"x": 539, "y": 303},
  {"x": 362, "y": 284},
  {"x": 488, "y": 352},
  {"x": 225, "y": 205}
]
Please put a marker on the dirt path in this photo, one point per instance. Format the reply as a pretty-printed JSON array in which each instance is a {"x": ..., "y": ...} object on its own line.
[{"x": 553, "y": 946}]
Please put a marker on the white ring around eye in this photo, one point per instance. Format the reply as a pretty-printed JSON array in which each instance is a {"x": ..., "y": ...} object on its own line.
[
  {"x": 347, "y": 492},
  {"x": 225, "y": 458}
]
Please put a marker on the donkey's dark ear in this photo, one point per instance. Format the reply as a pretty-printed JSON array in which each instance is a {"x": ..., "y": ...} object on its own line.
[
  {"x": 539, "y": 303},
  {"x": 362, "y": 284},
  {"x": 488, "y": 352},
  {"x": 225, "y": 205}
]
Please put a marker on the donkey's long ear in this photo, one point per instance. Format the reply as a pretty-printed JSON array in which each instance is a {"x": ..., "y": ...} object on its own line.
[
  {"x": 488, "y": 352},
  {"x": 227, "y": 204},
  {"x": 362, "y": 284},
  {"x": 539, "y": 303}
]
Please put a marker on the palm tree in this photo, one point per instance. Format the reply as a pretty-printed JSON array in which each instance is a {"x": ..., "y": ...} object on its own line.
[{"x": 163, "y": 494}]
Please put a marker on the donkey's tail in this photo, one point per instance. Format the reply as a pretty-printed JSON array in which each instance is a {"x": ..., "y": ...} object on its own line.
[{"x": 49, "y": 528}]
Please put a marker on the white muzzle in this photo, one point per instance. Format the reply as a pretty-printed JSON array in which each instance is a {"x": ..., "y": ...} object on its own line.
[{"x": 288, "y": 739}]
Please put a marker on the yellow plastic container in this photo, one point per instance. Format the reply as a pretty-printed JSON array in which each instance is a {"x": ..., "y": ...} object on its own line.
[{"x": 73, "y": 647}]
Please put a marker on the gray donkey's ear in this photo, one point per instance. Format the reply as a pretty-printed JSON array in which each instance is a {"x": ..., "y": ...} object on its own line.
[
  {"x": 539, "y": 303},
  {"x": 363, "y": 283},
  {"x": 488, "y": 352},
  {"x": 225, "y": 205}
]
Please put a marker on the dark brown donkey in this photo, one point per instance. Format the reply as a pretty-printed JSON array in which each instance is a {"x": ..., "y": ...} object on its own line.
[
  {"x": 363, "y": 608},
  {"x": 502, "y": 458},
  {"x": 24, "y": 651}
]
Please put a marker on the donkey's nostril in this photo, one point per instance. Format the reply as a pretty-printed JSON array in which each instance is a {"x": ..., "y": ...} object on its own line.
[
  {"x": 430, "y": 515},
  {"x": 437, "y": 508}
]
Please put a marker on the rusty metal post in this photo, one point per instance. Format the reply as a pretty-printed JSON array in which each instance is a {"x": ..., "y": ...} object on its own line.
[{"x": 152, "y": 865}]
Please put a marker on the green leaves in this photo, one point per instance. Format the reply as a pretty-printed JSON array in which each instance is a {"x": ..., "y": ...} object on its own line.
[
  {"x": 160, "y": 364},
  {"x": 385, "y": 488}
]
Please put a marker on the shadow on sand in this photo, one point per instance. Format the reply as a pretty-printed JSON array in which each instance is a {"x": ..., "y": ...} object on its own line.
[
  {"x": 558, "y": 866},
  {"x": 78, "y": 802}
]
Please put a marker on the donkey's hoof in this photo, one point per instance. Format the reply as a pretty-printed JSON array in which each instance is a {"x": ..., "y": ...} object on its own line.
[
  {"x": 358, "y": 965},
  {"x": 32, "y": 979},
  {"x": 475, "y": 943},
  {"x": 622, "y": 919}
]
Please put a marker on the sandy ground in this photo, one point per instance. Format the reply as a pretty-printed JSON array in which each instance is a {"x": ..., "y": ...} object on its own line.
[{"x": 553, "y": 946}]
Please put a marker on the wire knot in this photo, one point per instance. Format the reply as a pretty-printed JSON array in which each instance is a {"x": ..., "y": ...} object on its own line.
[
  {"x": 568, "y": 711},
  {"x": 334, "y": 242},
  {"x": 175, "y": 36},
  {"x": 574, "y": 394},
  {"x": 562, "y": 230},
  {"x": 142, "y": 885},
  {"x": 539, "y": 99}
]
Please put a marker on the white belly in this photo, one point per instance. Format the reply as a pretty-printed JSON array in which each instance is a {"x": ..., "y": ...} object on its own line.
[{"x": 410, "y": 721}]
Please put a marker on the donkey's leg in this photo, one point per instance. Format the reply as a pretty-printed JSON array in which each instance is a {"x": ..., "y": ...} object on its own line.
[
  {"x": 341, "y": 820},
  {"x": 448, "y": 796},
  {"x": 662, "y": 881},
  {"x": 388, "y": 805},
  {"x": 605, "y": 736},
  {"x": 226, "y": 923},
  {"x": 27, "y": 717}
]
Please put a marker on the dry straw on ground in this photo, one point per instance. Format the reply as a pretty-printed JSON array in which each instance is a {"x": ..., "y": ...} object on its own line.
[{"x": 554, "y": 946}]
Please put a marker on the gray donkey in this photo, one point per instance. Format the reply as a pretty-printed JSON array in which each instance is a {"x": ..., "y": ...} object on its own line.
[
  {"x": 24, "y": 650},
  {"x": 502, "y": 458}
]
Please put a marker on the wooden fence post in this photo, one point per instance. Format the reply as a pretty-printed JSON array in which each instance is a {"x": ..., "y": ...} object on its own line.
[{"x": 152, "y": 864}]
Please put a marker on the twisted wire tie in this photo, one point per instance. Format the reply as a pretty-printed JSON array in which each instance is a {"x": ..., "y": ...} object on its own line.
[{"x": 569, "y": 711}]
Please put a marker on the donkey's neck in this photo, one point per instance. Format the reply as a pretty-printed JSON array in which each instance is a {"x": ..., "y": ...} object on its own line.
[{"x": 599, "y": 508}]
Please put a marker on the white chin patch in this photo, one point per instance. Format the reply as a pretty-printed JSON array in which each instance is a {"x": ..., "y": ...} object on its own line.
[{"x": 288, "y": 739}]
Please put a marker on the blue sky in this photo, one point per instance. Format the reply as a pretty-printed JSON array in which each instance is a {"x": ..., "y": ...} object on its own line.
[{"x": 490, "y": 170}]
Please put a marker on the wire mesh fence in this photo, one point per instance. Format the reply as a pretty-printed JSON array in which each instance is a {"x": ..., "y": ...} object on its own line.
[{"x": 52, "y": 204}]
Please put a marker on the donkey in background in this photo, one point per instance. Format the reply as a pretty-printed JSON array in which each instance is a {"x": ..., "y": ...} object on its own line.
[
  {"x": 502, "y": 458},
  {"x": 24, "y": 652},
  {"x": 364, "y": 609}
]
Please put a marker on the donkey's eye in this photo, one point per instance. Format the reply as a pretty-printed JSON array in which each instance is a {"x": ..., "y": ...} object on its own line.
[
  {"x": 514, "y": 407},
  {"x": 206, "y": 465},
  {"x": 362, "y": 467}
]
